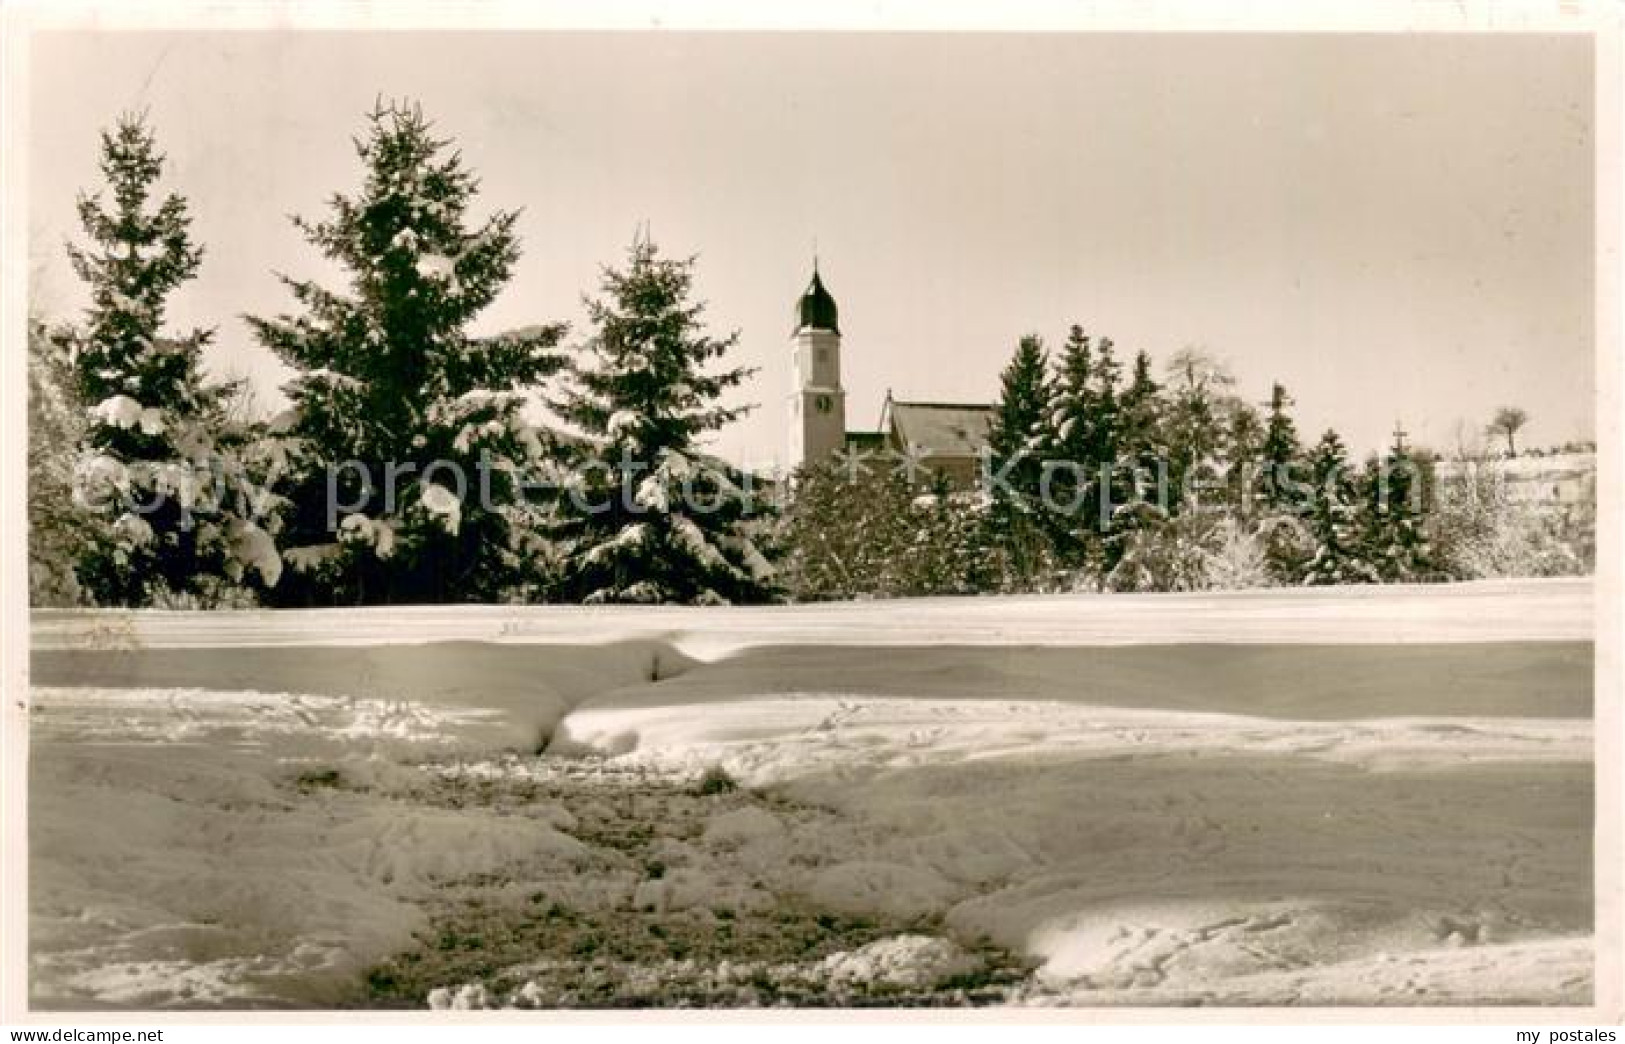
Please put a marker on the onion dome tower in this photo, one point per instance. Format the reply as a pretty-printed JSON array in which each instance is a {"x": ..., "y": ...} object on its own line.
[{"x": 817, "y": 400}]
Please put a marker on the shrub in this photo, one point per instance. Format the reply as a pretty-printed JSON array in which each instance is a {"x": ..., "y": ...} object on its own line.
[
  {"x": 1482, "y": 532},
  {"x": 715, "y": 780}
]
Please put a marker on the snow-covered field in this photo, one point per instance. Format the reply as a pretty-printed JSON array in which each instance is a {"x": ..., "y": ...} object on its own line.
[{"x": 1368, "y": 796}]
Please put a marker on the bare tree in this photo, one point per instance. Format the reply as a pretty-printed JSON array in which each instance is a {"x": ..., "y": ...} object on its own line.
[
  {"x": 1509, "y": 420},
  {"x": 1198, "y": 370}
]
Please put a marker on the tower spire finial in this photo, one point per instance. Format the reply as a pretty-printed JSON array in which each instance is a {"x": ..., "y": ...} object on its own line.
[{"x": 816, "y": 309}]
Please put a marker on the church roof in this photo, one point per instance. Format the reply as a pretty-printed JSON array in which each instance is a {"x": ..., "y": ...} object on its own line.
[
  {"x": 816, "y": 309},
  {"x": 940, "y": 429}
]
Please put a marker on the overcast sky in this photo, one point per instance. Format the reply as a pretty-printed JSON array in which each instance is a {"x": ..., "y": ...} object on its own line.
[{"x": 1395, "y": 227}]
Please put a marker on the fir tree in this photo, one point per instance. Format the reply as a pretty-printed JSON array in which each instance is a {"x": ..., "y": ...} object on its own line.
[
  {"x": 1072, "y": 446},
  {"x": 1139, "y": 464},
  {"x": 1280, "y": 454},
  {"x": 57, "y": 526},
  {"x": 1192, "y": 429},
  {"x": 1142, "y": 387},
  {"x": 1113, "y": 483},
  {"x": 1396, "y": 540},
  {"x": 947, "y": 551},
  {"x": 854, "y": 532},
  {"x": 1016, "y": 445},
  {"x": 648, "y": 515},
  {"x": 1017, "y": 438},
  {"x": 1334, "y": 519},
  {"x": 845, "y": 531},
  {"x": 1284, "y": 492},
  {"x": 151, "y": 473},
  {"x": 1243, "y": 452},
  {"x": 1072, "y": 398},
  {"x": 1140, "y": 446},
  {"x": 407, "y": 452},
  {"x": 1107, "y": 408},
  {"x": 1087, "y": 425}
]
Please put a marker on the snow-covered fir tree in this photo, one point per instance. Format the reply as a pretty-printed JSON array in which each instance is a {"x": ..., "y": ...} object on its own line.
[
  {"x": 172, "y": 521},
  {"x": 1017, "y": 438},
  {"x": 1334, "y": 519},
  {"x": 1016, "y": 446},
  {"x": 949, "y": 551},
  {"x": 1086, "y": 426},
  {"x": 842, "y": 528},
  {"x": 854, "y": 531},
  {"x": 1243, "y": 453},
  {"x": 1283, "y": 493},
  {"x": 1396, "y": 536},
  {"x": 57, "y": 526},
  {"x": 1108, "y": 408},
  {"x": 1129, "y": 441},
  {"x": 1193, "y": 426},
  {"x": 647, "y": 515},
  {"x": 1073, "y": 447},
  {"x": 406, "y": 450},
  {"x": 1139, "y": 464},
  {"x": 1280, "y": 456},
  {"x": 1140, "y": 444}
]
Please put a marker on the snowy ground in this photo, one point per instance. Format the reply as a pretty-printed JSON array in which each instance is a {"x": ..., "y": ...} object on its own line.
[{"x": 1374, "y": 796}]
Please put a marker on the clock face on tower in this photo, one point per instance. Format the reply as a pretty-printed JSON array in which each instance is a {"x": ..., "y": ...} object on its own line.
[{"x": 824, "y": 403}]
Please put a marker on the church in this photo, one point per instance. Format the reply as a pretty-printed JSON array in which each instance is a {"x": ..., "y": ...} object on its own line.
[{"x": 944, "y": 438}]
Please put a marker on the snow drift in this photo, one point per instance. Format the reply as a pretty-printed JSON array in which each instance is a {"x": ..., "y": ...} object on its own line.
[{"x": 1379, "y": 796}]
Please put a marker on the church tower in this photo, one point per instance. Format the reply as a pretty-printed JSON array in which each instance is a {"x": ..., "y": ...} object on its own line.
[{"x": 817, "y": 401}]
